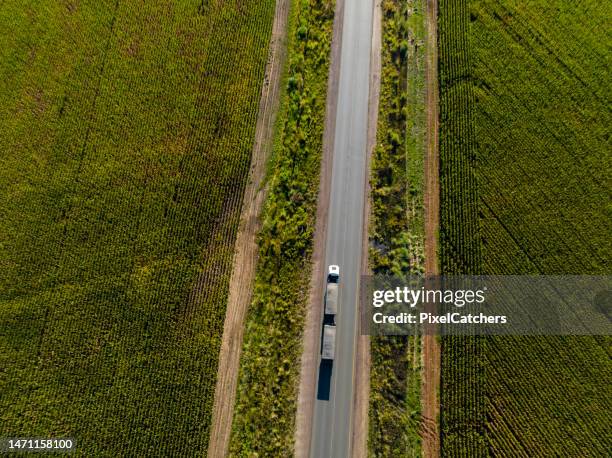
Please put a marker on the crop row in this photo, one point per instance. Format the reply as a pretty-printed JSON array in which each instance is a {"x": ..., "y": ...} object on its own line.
[{"x": 462, "y": 406}]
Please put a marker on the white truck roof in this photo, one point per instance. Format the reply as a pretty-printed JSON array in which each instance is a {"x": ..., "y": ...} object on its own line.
[
  {"x": 328, "y": 348},
  {"x": 331, "y": 299},
  {"x": 334, "y": 271}
]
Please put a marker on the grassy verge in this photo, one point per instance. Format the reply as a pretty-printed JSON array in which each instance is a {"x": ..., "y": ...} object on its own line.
[
  {"x": 264, "y": 418},
  {"x": 525, "y": 116},
  {"x": 397, "y": 228},
  {"x": 125, "y": 136}
]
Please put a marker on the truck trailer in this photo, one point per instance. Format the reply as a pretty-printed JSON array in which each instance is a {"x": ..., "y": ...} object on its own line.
[
  {"x": 328, "y": 349},
  {"x": 331, "y": 299}
]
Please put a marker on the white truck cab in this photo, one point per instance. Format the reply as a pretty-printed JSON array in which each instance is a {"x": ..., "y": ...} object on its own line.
[{"x": 333, "y": 273}]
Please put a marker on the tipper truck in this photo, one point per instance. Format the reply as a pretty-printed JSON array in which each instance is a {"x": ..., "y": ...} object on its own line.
[{"x": 331, "y": 299}]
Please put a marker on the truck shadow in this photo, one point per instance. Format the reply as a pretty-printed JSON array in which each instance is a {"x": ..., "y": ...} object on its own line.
[{"x": 325, "y": 373}]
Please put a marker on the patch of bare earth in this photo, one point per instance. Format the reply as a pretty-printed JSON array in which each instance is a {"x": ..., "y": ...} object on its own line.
[
  {"x": 245, "y": 254},
  {"x": 431, "y": 346},
  {"x": 308, "y": 368}
]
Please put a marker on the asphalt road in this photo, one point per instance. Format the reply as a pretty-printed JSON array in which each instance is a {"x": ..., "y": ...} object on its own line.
[{"x": 333, "y": 411}]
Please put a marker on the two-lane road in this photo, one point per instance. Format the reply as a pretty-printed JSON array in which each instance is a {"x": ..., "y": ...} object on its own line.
[{"x": 333, "y": 411}]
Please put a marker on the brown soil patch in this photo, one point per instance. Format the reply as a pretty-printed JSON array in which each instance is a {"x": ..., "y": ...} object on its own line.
[{"x": 431, "y": 346}]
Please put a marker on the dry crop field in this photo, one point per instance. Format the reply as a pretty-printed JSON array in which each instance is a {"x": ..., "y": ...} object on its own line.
[{"x": 125, "y": 137}]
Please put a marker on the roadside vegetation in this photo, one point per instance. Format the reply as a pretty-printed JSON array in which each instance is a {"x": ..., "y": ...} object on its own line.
[
  {"x": 525, "y": 164},
  {"x": 397, "y": 223},
  {"x": 125, "y": 137},
  {"x": 264, "y": 416}
]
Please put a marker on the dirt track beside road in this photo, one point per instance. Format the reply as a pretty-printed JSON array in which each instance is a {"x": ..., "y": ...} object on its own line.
[{"x": 431, "y": 347}]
